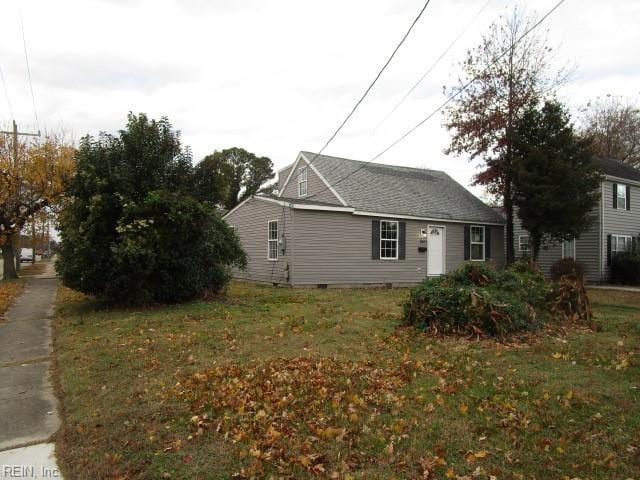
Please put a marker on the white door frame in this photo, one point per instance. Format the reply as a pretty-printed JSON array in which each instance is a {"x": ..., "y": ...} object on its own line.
[{"x": 444, "y": 249}]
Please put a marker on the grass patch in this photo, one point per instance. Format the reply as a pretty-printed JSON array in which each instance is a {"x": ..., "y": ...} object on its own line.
[
  {"x": 9, "y": 291},
  {"x": 275, "y": 382}
]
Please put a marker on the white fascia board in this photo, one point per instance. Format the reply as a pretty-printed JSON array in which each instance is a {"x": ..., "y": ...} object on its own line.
[
  {"x": 428, "y": 219},
  {"x": 304, "y": 206},
  {"x": 272, "y": 200},
  {"x": 611, "y": 178},
  {"x": 324, "y": 180},
  {"x": 326, "y": 208}
]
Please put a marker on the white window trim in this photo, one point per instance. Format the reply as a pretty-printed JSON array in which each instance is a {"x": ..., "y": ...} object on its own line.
[
  {"x": 624, "y": 191},
  {"x": 472, "y": 243},
  {"x": 270, "y": 240},
  {"x": 303, "y": 181},
  {"x": 527, "y": 243},
  {"x": 397, "y": 240},
  {"x": 574, "y": 249},
  {"x": 629, "y": 241}
]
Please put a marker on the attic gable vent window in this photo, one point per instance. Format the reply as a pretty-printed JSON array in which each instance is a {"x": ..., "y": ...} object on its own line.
[{"x": 302, "y": 182}]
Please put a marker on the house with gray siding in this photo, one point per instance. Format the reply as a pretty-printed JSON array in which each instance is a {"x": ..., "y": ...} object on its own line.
[
  {"x": 616, "y": 225},
  {"x": 341, "y": 222}
]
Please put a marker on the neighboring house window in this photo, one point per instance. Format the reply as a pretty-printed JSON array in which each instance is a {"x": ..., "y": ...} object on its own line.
[
  {"x": 388, "y": 240},
  {"x": 620, "y": 243},
  {"x": 477, "y": 243},
  {"x": 621, "y": 193},
  {"x": 302, "y": 182},
  {"x": 272, "y": 242},
  {"x": 569, "y": 249},
  {"x": 524, "y": 244}
]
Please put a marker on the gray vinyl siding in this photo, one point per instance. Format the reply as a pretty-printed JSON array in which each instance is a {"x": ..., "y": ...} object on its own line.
[
  {"x": 335, "y": 248},
  {"x": 618, "y": 221},
  {"x": 588, "y": 247},
  {"x": 250, "y": 221},
  {"x": 315, "y": 187}
]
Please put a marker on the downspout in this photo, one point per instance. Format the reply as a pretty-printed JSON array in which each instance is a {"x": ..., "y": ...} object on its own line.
[{"x": 601, "y": 239}]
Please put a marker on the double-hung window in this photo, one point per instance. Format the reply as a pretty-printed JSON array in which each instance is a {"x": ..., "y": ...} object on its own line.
[
  {"x": 388, "y": 240},
  {"x": 569, "y": 248},
  {"x": 302, "y": 182},
  {"x": 477, "y": 243},
  {"x": 621, "y": 197},
  {"x": 272, "y": 240},
  {"x": 620, "y": 243},
  {"x": 524, "y": 244}
]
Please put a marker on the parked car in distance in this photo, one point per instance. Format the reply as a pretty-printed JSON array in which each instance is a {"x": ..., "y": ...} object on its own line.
[{"x": 26, "y": 255}]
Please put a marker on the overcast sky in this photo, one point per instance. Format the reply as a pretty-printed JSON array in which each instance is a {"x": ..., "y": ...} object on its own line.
[{"x": 278, "y": 76}]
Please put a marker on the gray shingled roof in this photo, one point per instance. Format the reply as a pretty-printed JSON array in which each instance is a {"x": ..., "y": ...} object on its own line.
[
  {"x": 612, "y": 167},
  {"x": 388, "y": 189}
]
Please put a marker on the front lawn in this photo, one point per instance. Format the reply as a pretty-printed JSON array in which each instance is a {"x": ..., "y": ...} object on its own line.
[{"x": 274, "y": 382}]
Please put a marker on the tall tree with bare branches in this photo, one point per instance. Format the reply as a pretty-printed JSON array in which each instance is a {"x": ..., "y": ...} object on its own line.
[
  {"x": 507, "y": 71},
  {"x": 613, "y": 125}
]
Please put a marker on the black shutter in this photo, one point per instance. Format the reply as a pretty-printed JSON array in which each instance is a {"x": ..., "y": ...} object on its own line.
[
  {"x": 628, "y": 197},
  {"x": 402, "y": 240},
  {"x": 615, "y": 195},
  {"x": 487, "y": 243},
  {"x": 608, "y": 249},
  {"x": 634, "y": 245},
  {"x": 375, "y": 239},
  {"x": 467, "y": 242}
]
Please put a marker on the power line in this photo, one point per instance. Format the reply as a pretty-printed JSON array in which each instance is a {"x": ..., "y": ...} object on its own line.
[
  {"x": 26, "y": 57},
  {"x": 353, "y": 110},
  {"x": 6, "y": 93},
  {"x": 433, "y": 65},
  {"x": 446, "y": 102}
]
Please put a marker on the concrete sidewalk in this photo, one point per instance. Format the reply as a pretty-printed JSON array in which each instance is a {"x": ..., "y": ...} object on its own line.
[{"x": 28, "y": 414}]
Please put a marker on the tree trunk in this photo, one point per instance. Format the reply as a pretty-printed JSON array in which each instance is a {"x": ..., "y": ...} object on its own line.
[
  {"x": 8, "y": 259},
  {"x": 508, "y": 212},
  {"x": 17, "y": 250},
  {"x": 536, "y": 244}
]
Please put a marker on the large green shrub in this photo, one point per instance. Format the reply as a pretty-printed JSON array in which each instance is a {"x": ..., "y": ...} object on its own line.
[
  {"x": 476, "y": 299},
  {"x": 131, "y": 232},
  {"x": 625, "y": 268}
]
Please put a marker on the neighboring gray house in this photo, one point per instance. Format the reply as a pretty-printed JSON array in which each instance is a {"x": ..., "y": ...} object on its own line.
[
  {"x": 344, "y": 222},
  {"x": 616, "y": 227}
]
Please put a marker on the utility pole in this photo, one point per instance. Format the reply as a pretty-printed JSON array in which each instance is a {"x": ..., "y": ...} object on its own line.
[{"x": 15, "y": 240}]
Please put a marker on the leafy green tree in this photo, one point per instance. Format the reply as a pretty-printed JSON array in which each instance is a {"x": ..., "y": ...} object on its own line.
[
  {"x": 230, "y": 176},
  {"x": 132, "y": 233},
  {"x": 555, "y": 181}
]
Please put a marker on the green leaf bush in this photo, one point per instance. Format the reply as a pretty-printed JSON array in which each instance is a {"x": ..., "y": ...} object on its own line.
[
  {"x": 625, "y": 268},
  {"x": 132, "y": 233},
  {"x": 479, "y": 300}
]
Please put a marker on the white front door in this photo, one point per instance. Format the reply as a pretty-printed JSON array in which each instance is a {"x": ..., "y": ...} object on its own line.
[{"x": 435, "y": 250}]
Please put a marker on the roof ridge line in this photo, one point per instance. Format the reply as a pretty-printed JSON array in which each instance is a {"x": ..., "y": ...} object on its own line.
[{"x": 420, "y": 169}]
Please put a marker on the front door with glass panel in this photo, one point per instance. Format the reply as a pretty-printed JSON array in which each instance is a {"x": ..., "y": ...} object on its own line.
[{"x": 435, "y": 250}]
